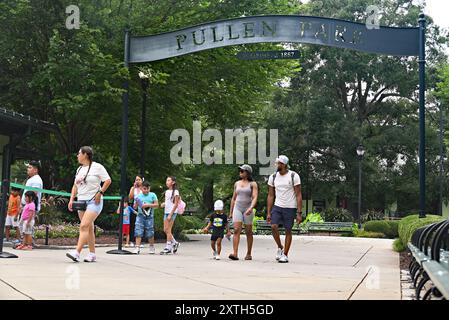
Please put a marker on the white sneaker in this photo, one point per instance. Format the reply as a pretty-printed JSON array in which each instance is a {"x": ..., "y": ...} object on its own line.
[
  {"x": 136, "y": 250},
  {"x": 152, "y": 250},
  {"x": 214, "y": 254},
  {"x": 74, "y": 255},
  {"x": 91, "y": 257},
  {"x": 283, "y": 259},
  {"x": 175, "y": 246},
  {"x": 279, "y": 254},
  {"x": 167, "y": 250},
  {"x": 217, "y": 257}
]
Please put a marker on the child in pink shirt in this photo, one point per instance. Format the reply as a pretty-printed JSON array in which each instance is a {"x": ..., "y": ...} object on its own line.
[{"x": 27, "y": 221}]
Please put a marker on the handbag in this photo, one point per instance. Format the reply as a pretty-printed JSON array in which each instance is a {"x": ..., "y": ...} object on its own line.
[{"x": 79, "y": 205}]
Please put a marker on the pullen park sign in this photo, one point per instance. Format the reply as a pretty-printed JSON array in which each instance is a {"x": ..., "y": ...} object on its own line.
[{"x": 298, "y": 29}]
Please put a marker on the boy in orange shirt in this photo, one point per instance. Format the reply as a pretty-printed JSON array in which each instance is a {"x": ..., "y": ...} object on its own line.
[{"x": 12, "y": 219}]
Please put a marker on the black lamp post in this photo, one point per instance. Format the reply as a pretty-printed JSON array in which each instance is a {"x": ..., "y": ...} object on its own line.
[
  {"x": 360, "y": 154},
  {"x": 442, "y": 151},
  {"x": 145, "y": 82}
]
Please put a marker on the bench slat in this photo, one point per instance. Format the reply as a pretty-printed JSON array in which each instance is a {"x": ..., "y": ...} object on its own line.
[{"x": 439, "y": 276}]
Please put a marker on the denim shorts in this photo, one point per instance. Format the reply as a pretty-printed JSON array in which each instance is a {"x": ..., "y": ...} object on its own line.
[
  {"x": 173, "y": 217},
  {"x": 144, "y": 226},
  {"x": 92, "y": 206}
]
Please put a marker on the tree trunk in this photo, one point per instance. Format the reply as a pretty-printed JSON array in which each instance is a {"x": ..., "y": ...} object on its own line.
[{"x": 208, "y": 195}]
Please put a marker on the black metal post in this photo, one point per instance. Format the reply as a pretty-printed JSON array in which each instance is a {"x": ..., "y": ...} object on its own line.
[
  {"x": 145, "y": 84},
  {"x": 422, "y": 114},
  {"x": 46, "y": 235},
  {"x": 360, "y": 193},
  {"x": 6, "y": 176},
  {"x": 307, "y": 191},
  {"x": 4, "y": 198},
  {"x": 124, "y": 149}
]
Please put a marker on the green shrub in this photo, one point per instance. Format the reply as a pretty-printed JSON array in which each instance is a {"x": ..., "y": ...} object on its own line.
[
  {"x": 409, "y": 224},
  {"x": 337, "y": 215},
  {"x": 388, "y": 227},
  {"x": 256, "y": 218},
  {"x": 372, "y": 215},
  {"x": 59, "y": 231},
  {"x": 181, "y": 223},
  {"x": 369, "y": 234},
  {"x": 398, "y": 246},
  {"x": 313, "y": 217},
  {"x": 193, "y": 222}
]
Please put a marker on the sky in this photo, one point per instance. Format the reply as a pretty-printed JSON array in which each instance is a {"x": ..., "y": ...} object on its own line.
[{"x": 439, "y": 11}]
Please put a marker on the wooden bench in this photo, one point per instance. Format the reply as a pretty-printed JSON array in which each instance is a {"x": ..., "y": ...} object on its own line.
[{"x": 330, "y": 227}]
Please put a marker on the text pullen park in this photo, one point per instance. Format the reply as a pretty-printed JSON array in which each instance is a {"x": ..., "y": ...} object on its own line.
[{"x": 274, "y": 29}]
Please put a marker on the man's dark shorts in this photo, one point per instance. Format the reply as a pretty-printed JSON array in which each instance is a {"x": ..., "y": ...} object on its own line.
[{"x": 283, "y": 216}]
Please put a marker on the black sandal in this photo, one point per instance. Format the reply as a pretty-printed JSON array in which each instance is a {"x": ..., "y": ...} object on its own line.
[{"x": 232, "y": 257}]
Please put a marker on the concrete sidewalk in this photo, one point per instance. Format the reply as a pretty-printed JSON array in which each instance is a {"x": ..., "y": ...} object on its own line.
[{"x": 319, "y": 268}]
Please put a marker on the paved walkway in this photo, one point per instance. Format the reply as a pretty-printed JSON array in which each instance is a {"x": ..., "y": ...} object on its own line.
[{"x": 319, "y": 268}]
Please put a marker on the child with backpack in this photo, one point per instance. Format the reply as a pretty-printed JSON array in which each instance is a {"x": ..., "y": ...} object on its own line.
[{"x": 173, "y": 206}]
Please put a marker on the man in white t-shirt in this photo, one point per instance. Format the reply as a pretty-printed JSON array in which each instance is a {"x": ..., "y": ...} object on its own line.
[
  {"x": 284, "y": 186},
  {"x": 34, "y": 181}
]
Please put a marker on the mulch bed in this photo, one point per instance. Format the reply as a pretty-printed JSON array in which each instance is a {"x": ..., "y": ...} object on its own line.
[
  {"x": 104, "y": 239},
  {"x": 404, "y": 259}
]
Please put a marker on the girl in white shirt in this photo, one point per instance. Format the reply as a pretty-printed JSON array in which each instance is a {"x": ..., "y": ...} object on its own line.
[{"x": 172, "y": 198}]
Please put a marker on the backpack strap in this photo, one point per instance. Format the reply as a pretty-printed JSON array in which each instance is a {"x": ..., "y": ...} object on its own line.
[
  {"x": 293, "y": 179},
  {"x": 274, "y": 176}
]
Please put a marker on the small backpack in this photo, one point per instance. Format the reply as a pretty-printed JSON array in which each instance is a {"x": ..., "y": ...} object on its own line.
[{"x": 181, "y": 207}]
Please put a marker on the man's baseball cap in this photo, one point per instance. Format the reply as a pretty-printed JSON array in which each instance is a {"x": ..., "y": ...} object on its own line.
[
  {"x": 34, "y": 163},
  {"x": 282, "y": 159},
  {"x": 218, "y": 205},
  {"x": 246, "y": 167}
]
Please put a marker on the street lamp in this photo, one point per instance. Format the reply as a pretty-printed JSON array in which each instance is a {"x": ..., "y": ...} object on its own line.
[
  {"x": 145, "y": 82},
  {"x": 360, "y": 154}
]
